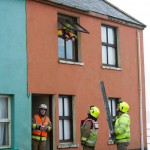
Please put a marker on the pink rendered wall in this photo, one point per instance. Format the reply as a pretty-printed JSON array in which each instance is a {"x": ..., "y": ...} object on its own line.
[{"x": 46, "y": 75}]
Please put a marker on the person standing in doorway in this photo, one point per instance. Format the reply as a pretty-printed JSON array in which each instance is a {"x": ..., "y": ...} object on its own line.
[
  {"x": 41, "y": 125},
  {"x": 122, "y": 127},
  {"x": 89, "y": 129}
]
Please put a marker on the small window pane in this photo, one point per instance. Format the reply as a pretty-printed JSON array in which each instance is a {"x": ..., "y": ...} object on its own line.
[
  {"x": 109, "y": 104},
  {"x": 60, "y": 107},
  {"x": 69, "y": 47},
  {"x": 112, "y": 105},
  {"x": 60, "y": 130},
  {"x": 111, "y": 36},
  {"x": 80, "y": 28},
  {"x": 67, "y": 129},
  {"x": 71, "y": 24},
  {"x": 4, "y": 134},
  {"x": 104, "y": 37},
  {"x": 66, "y": 105},
  {"x": 113, "y": 108},
  {"x": 3, "y": 107},
  {"x": 111, "y": 56},
  {"x": 104, "y": 55},
  {"x": 61, "y": 50}
]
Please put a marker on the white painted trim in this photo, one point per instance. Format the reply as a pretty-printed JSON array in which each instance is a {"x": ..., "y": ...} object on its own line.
[
  {"x": 111, "y": 68},
  {"x": 67, "y": 145},
  {"x": 71, "y": 63}
]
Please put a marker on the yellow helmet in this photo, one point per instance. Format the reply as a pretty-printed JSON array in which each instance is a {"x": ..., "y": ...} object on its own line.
[
  {"x": 123, "y": 107},
  {"x": 94, "y": 111}
]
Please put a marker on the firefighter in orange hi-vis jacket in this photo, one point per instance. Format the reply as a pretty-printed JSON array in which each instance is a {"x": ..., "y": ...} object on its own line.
[{"x": 41, "y": 125}]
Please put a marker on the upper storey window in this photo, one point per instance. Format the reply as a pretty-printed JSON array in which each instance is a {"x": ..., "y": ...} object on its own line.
[
  {"x": 109, "y": 46},
  {"x": 68, "y": 38}
]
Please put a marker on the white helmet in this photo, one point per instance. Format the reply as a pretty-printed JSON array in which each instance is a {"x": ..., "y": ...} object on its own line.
[{"x": 43, "y": 106}]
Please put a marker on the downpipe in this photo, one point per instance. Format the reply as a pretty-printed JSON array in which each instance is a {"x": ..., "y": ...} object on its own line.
[{"x": 140, "y": 90}]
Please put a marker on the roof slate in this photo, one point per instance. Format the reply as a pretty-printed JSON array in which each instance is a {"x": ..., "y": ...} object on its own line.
[{"x": 99, "y": 6}]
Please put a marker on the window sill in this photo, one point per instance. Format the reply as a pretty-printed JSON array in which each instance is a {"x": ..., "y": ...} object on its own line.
[
  {"x": 111, "y": 68},
  {"x": 5, "y": 147},
  {"x": 67, "y": 145},
  {"x": 70, "y": 62}
]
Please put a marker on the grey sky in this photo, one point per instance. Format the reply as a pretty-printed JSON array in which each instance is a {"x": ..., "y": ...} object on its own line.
[{"x": 139, "y": 9}]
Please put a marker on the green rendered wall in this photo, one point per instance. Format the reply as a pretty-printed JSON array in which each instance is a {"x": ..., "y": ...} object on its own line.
[{"x": 13, "y": 70}]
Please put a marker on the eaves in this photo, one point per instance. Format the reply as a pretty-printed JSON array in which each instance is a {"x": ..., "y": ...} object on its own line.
[{"x": 140, "y": 25}]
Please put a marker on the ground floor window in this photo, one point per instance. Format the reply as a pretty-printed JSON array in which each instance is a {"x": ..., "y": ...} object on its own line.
[
  {"x": 65, "y": 119},
  {"x": 5, "y": 121},
  {"x": 113, "y": 102}
]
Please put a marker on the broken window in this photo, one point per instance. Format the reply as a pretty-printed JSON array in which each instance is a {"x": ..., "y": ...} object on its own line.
[{"x": 68, "y": 38}]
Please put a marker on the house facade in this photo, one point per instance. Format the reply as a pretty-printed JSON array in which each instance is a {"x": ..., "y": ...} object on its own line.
[{"x": 57, "y": 52}]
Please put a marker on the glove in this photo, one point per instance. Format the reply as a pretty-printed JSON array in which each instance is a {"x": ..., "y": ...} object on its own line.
[
  {"x": 43, "y": 128},
  {"x": 112, "y": 133}
]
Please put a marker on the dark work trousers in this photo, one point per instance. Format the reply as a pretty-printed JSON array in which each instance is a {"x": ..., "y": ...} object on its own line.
[
  {"x": 88, "y": 148},
  {"x": 122, "y": 146},
  {"x": 38, "y": 145}
]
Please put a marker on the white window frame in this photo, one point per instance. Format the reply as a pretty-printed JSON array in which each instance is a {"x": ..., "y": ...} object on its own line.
[{"x": 8, "y": 120}]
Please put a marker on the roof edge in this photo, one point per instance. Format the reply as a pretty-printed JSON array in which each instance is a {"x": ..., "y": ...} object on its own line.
[
  {"x": 142, "y": 24},
  {"x": 100, "y": 15}
]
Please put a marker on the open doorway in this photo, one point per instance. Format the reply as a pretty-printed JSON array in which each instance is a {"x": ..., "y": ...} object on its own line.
[{"x": 38, "y": 99}]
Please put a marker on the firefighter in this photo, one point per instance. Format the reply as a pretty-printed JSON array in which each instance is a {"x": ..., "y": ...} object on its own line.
[
  {"x": 122, "y": 127},
  {"x": 89, "y": 129},
  {"x": 41, "y": 125}
]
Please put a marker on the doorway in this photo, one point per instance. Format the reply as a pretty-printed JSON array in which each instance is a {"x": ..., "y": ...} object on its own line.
[{"x": 38, "y": 99}]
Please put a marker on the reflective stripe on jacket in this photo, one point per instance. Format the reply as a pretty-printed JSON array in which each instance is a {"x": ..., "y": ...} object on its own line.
[
  {"x": 38, "y": 138},
  {"x": 89, "y": 140},
  {"x": 122, "y": 128},
  {"x": 37, "y": 122}
]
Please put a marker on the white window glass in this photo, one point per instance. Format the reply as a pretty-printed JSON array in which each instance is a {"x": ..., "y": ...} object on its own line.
[
  {"x": 69, "y": 47},
  {"x": 104, "y": 37},
  {"x": 61, "y": 50},
  {"x": 109, "y": 104},
  {"x": 4, "y": 135},
  {"x": 67, "y": 131},
  {"x": 4, "y": 121},
  {"x": 60, "y": 107},
  {"x": 104, "y": 55},
  {"x": 66, "y": 105},
  {"x": 111, "y": 56},
  {"x": 111, "y": 36},
  {"x": 60, "y": 130},
  {"x": 113, "y": 108},
  {"x": 3, "y": 107}
]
